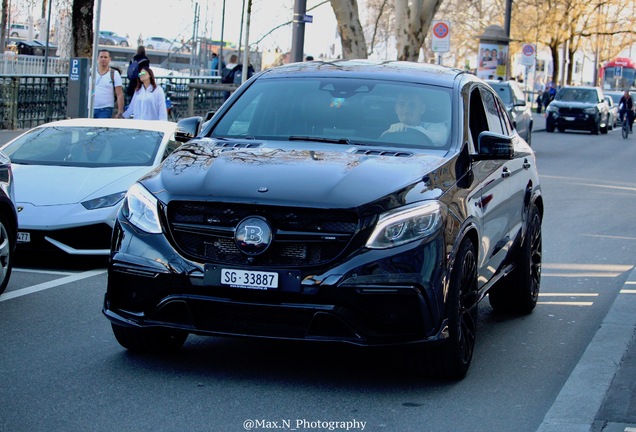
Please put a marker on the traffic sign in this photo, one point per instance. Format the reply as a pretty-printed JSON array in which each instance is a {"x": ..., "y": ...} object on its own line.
[
  {"x": 618, "y": 71},
  {"x": 528, "y": 54},
  {"x": 441, "y": 36}
]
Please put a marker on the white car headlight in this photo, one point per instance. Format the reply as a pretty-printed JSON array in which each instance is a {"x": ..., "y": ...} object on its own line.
[
  {"x": 140, "y": 208},
  {"x": 406, "y": 224},
  {"x": 590, "y": 111},
  {"x": 105, "y": 201}
]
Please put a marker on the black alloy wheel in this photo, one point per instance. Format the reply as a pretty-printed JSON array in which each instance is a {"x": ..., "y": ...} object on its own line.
[{"x": 451, "y": 359}]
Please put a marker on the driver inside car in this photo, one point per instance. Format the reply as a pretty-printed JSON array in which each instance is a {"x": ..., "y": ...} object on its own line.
[{"x": 411, "y": 111}]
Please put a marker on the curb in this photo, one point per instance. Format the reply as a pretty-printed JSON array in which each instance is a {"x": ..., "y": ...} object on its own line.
[{"x": 582, "y": 395}]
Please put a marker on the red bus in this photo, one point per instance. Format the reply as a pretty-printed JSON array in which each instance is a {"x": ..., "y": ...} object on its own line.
[{"x": 618, "y": 74}]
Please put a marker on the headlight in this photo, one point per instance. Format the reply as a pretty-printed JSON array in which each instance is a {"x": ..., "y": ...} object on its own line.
[
  {"x": 105, "y": 201},
  {"x": 551, "y": 108},
  {"x": 140, "y": 208},
  {"x": 406, "y": 224},
  {"x": 590, "y": 111}
]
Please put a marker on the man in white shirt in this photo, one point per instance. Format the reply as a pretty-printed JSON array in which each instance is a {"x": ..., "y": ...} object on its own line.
[
  {"x": 107, "y": 87},
  {"x": 411, "y": 108}
]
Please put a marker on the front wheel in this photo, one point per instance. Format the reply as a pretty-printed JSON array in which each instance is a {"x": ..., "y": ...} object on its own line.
[
  {"x": 6, "y": 254},
  {"x": 451, "y": 359},
  {"x": 625, "y": 129}
]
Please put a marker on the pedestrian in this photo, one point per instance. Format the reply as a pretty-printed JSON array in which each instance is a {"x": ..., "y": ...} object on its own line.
[
  {"x": 539, "y": 99},
  {"x": 149, "y": 100},
  {"x": 134, "y": 66},
  {"x": 216, "y": 66},
  {"x": 545, "y": 98},
  {"x": 108, "y": 91}
]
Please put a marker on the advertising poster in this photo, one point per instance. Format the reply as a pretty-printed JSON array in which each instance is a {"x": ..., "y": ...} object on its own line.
[{"x": 491, "y": 61}]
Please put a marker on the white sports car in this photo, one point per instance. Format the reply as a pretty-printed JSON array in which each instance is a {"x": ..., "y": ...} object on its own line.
[{"x": 71, "y": 177}]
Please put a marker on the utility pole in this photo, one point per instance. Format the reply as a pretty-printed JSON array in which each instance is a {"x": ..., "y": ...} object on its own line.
[
  {"x": 507, "y": 20},
  {"x": 298, "y": 31}
]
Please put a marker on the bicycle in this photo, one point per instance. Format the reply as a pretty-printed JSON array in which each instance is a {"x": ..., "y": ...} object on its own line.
[{"x": 625, "y": 129}]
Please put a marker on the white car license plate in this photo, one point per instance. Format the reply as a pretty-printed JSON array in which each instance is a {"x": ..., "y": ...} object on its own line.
[
  {"x": 569, "y": 118},
  {"x": 24, "y": 237},
  {"x": 249, "y": 279}
]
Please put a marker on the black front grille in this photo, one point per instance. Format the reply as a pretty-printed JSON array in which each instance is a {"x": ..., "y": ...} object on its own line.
[
  {"x": 302, "y": 236},
  {"x": 570, "y": 111}
]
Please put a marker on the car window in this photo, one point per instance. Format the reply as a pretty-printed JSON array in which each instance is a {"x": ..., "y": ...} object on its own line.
[
  {"x": 85, "y": 146},
  {"x": 494, "y": 113},
  {"x": 504, "y": 91},
  {"x": 350, "y": 110},
  {"x": 577, "y": 95}
]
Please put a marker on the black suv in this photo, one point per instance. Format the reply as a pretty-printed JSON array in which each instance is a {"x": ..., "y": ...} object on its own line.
[
  {"x": 580, "y": 108},
  {"x": 359, "y": 202}
]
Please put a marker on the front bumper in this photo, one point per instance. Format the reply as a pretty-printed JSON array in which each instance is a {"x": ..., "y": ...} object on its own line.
[
  {"x": 572, "y": 121},
  {"x": 373, "y": 297}
]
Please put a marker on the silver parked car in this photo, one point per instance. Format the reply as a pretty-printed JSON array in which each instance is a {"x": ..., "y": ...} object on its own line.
[{"x": 516, "y": 106}]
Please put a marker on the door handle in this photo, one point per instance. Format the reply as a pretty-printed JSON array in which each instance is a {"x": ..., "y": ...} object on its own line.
[
  {"x": 526, "y": 164},
  {"x": 505, "y": 173}
]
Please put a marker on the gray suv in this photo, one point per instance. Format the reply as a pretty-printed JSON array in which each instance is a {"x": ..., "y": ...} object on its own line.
[{"x": 515, "y": 101}]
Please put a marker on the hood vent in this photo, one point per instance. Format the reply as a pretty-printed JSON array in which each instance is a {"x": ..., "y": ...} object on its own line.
[{"x": 368, "y": 152}]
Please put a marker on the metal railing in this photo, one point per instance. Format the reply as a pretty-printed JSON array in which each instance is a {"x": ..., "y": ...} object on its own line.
[{"x": 27, "y": 101}]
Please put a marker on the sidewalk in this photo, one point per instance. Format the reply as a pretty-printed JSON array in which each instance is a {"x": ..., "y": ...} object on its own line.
[{"x": 600, "y": 394}]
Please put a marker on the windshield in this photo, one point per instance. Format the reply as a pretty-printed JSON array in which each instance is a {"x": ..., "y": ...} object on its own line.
[
  {"x": 342, "y": 110},
  {"x": 577, "y": 95},
  {"x": 85, "y": 146}
]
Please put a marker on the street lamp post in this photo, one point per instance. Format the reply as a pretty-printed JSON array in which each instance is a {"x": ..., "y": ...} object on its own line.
[{"x": 298, "y": 31}]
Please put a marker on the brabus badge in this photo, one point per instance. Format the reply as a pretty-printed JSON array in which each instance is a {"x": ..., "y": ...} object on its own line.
[{"x": 253, "y": 235}]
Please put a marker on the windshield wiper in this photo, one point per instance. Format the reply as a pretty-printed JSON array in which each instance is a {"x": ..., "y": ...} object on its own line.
[{"x": 321, "y": 139}]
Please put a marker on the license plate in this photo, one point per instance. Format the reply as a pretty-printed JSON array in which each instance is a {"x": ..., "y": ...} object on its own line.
[
  {"x": 569, "y": 118},
  {"x": 249, "y": 279},
  {"x": 24, "y": 237}
]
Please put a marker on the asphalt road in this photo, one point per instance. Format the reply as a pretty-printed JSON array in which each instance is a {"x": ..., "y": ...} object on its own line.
[{"x": 62, "y": 369}]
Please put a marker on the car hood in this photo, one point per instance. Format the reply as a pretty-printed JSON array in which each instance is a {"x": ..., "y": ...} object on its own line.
[
  {"x": 582, "y": 105},
  {"x": 44, "y": 185},
  {"x": 332, "y": 176}
]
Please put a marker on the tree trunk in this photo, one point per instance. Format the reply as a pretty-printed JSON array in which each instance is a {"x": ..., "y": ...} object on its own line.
[
  {"x": 82, "y": 20},
  {"x": 350, "y": 30},
  {"x": 412, "y": 21},
  {"x": 554, "y": 50}
]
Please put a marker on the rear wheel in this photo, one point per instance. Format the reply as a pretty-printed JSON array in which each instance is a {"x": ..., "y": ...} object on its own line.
[
  {"x": 451, "y": 359},
  {"x": 625, "y": 129},
  {"x": 518, "y": 292},
  {"x": 149, "y": 340}
]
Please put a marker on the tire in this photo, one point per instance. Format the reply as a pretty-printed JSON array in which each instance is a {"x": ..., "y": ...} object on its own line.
[
  {"x": 150, "y": 47},
  {"x": 149, "y": 340},
  {"x": 625, "y": 130},
  {"x": 518, "y": 292},
  {"x": 452, "y": 357},
  {"x": 549, "y": 127},
  {"x": 596, "y": 129},
  {"x": 123, "y": 43},
  {"x": 7, "y": 248}
]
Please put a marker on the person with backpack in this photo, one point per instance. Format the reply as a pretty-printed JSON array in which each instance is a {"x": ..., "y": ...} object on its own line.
[
  {"x": 138, "y": 61},
  {"x": 108, "y": 88}
]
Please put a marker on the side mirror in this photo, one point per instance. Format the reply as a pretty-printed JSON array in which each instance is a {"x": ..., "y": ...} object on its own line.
[
  {"x": 493, "y": 146},
  {"x": 187, "y": 128}
]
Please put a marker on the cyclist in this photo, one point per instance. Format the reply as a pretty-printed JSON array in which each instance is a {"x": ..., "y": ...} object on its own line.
[{"x": 626, "y": 105}]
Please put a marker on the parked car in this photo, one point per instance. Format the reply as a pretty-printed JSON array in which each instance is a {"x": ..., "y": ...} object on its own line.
[
  {"x": 616, "y": 96},
  {"x": 515, "y": 101},
  {"x": 579, "y": 108},
  {"x": 17, "y": 30},
  {"x": 72, "y": 175},
  {"x": 161, "y": 43},
  {"x": 8, "y": 221},
  {"x": 107, "y": 37},
  {"x": 310, "y": 207},
  {"x": 613, "y": 110}
]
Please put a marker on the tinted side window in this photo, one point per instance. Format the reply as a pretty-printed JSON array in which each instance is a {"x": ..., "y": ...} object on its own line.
[{"x": 493, "y": 112}]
